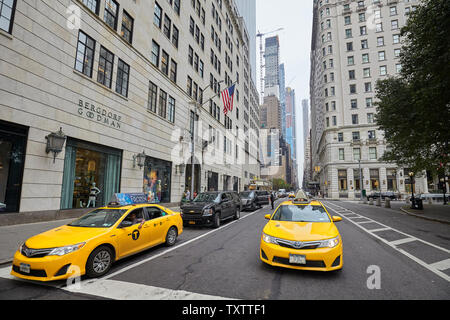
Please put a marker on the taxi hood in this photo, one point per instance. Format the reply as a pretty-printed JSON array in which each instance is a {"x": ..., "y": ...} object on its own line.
[
  {"x": 301, "y": 231},
  {"x": 64, "y": 236}
]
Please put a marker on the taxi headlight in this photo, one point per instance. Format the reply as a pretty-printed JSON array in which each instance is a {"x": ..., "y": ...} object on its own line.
[
  {"x": 268, "y": 239},
  {"x": 66, "y": 250},
  {"x": 329, "y": 243}
]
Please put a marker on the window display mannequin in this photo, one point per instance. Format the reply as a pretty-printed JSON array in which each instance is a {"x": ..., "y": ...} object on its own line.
[{"x": 93, "y": 195}]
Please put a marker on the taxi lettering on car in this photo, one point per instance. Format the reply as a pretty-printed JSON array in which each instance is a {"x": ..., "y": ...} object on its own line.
[
  {"x": 302, "y": 235},
  {"x": 90, "y": 244}
]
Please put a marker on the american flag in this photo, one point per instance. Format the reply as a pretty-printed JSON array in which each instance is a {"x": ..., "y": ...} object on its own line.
[{"x": 228, "y": 97}]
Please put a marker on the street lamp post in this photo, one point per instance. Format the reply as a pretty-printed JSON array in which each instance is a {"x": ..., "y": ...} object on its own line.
[
  {"x": 444, "y": 187},
  {"x": 411, "y": 175}
]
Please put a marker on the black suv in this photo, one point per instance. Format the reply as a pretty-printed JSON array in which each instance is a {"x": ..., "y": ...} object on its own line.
[
  {"x": 254, "y": 199},
  {"x": 211, "y": 208}
]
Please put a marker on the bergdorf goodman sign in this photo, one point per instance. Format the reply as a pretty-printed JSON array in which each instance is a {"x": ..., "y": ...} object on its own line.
[{"x": 99, "y": 114}]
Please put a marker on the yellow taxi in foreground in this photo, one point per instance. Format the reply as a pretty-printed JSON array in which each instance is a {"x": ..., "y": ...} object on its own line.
[
  {"x": 302, "y": 235},
  {"x": 92, "y": 243}
]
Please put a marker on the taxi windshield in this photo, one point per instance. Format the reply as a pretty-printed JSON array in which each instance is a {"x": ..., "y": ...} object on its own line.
[
  {"x": 301, "y": 213},
  {"x": 100, "y": 218}
]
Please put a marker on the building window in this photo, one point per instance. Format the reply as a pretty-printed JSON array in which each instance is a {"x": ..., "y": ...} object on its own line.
[
  {"x": 356, "y": 154},
  {"x": 152, "y": 97},
  {"x": 123, "y": 76},
  {"x": 157, "y": 181},
  {"x": 165, "y": 63},
  {"x": 105, "y": 67},
  {"x": 371, "y": 135},
  {"x": 157, "y": 15},
  {"x": 127, "y": 27},
  {"x": 189, "y": 86},
  {"x": 383, "y": 70},
  {"x": 155, "y": 54},
  {"x": 85, "y": 54},
  {"x": 191, "y": 56},
  {"x": 173, "y": 71},
  {"x": 162, "y": 109},
  {"x": 355, "y": 136},
  {"x": 375, "y": 179},
  {"x": 340, "y": 137},
  {"x": 171, "y": 110},
  {"x": 175, "y": 36},
  {"x": 93, "y": 5},
  {"x": 370, "y": 118},
  {"x": 167, "y": 26},
  {"x": 111, "y": 13},
  {"x": 176, "y": 6},
  {"x": 355, "y": 119},
  {"x": 341, "y": 154},
  {"x": 369, "y": 102},
  {"x": 352, "y": 88},
  {"x": 7, "y": 10}
]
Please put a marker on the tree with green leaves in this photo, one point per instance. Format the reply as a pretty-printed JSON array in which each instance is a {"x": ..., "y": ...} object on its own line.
[{"x": 414, "y": 109}]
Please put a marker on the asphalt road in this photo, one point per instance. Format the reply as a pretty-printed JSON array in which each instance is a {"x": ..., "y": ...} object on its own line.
[{"x": 224, "y": 264}]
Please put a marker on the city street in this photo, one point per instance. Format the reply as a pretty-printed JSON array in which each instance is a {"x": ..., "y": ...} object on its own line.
[{"x": 387, "y": 255}]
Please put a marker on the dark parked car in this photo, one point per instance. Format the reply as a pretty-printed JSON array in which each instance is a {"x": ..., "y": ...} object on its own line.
[
  {"x": 211, "y": 208},
  {"x": 254, "y": 199},
  {"x": 375, "y": 195}
]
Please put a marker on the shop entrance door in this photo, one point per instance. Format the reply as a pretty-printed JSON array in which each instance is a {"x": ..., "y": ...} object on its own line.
[{"x": 12, "y": 159}]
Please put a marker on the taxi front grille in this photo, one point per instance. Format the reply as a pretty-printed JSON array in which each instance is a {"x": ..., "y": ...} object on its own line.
[
  {"x": 297, "y": 244},
  {"x": 34, "y": 253}
]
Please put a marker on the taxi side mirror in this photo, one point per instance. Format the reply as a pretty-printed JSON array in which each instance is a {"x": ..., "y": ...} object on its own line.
[
  {"x": 336, "y": 219},
  {"x": 267, "y": 216},
  {"x": 125, "y": 224}
]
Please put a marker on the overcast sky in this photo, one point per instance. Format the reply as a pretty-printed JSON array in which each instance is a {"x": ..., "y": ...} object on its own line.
[{"x": 295, "y": 16}]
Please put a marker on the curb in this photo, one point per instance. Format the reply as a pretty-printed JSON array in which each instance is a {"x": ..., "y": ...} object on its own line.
[{"x": 423, "y": 217}]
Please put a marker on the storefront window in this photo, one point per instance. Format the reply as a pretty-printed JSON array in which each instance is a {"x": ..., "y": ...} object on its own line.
[
  {"x": 157, "y": 180},
  {"x": 12, "y": 158},
  {"x": 375, "y": 179},
  {"x": 91, "y": 175}
]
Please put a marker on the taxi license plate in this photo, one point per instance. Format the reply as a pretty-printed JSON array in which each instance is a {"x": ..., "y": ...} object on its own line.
[
  {"x": 191, "y": 222},
  {"x": 297, "y": 259},
  {"x": 26, "y": 268}
]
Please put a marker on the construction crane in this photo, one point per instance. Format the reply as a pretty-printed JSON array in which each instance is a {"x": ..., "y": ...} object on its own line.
[{"x": 261, "y": 56}]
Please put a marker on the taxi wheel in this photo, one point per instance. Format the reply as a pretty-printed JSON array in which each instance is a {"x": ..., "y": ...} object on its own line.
[
  {"x": 99, "y": 262},
  {"x": 171, "y": 237}
]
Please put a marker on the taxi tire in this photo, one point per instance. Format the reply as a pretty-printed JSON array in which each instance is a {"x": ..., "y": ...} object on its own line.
[
  {"x": 171, "y": 239},
  {"x": 90, "y": 272}
]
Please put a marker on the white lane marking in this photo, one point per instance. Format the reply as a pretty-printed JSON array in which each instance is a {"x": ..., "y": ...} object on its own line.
[
  {"x": 363, "y": 222},
  {"x": 378, "y": 230},
  {"x": 402, "y": 241},
  {"x": 120, "y": 290},
  {"x": 442, "y": 265},
  {"x": 430, "y": 267},
  {"x": 5, "y": 273}
]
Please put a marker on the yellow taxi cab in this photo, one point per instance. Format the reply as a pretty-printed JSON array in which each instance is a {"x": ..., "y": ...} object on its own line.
[
  {"x": 302, "y": 235},
  {"x": 90, "y": 244}
]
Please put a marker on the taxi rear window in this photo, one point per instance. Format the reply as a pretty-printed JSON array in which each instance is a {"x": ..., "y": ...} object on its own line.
[
  {"x": 301, "y": 213},
  {"x": 100, "y": 218}
]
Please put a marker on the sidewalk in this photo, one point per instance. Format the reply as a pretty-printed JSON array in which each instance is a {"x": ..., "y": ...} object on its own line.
[
  {"x": 11, "y": 237},
  {"x": 433, "y": 212}
]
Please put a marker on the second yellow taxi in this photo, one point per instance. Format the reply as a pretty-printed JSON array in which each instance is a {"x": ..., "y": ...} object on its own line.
[{"x": 302, "y": 235}]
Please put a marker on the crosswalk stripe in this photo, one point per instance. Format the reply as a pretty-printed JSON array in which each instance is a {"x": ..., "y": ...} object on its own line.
[
  {"x": 120, "y": 290},
  {"x": 441, "y": 265}
]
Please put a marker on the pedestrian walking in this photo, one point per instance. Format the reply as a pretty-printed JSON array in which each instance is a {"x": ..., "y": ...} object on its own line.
[{"x": 272, "y": 200}]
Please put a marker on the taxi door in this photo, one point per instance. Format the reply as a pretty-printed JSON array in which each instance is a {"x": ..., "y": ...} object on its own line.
[
  {"x": 133, "y": 238},
  {"x": 157, "y": 226}
]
